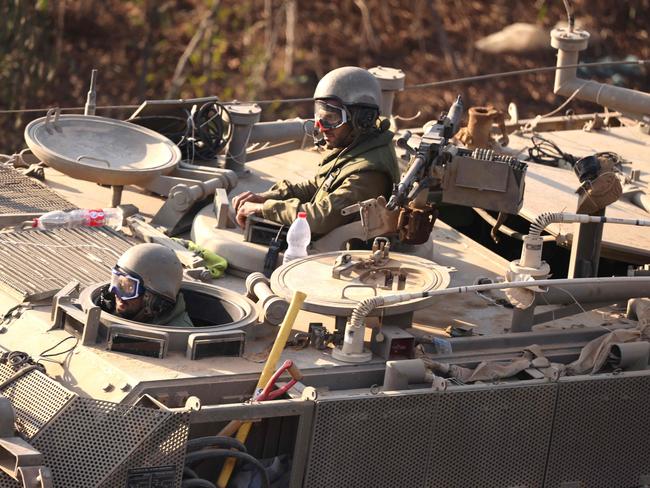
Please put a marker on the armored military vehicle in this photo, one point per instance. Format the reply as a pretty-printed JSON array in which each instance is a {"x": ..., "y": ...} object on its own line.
[{"x": 425, "y": 359}]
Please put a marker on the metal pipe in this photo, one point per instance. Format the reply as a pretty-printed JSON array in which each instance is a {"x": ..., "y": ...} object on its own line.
[
  {"x": 631, "y": 356},
  {"x": 593, "y": 293},
  {"x": 243, "y": 117},
  {"x": 274, "y": 308},
  {"x": 545, "y": 219},
  {"x": 569, "y": 43},
  {"x": 399, "y": 374},
  {"x": 504, "y": 229},
  {"x": 284, "y": 130},
  {"x": 635, "y": 286}
]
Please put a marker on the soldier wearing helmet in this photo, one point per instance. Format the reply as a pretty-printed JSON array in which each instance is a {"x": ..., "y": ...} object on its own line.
[
  {"x": 360, "y": 166},
  {"x": 145, "y": 287}
]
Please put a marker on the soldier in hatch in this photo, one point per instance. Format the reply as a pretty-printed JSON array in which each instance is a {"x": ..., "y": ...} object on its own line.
[
  {"x": 145, "y": 287},
  {"x": 361, "y": 165}
]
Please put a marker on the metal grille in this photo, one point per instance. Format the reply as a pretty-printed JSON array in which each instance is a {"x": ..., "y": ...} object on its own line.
[
  {"x": 7, "y": 482},
  {"x": 164, "y": 447},
  {"x": 21, "y": 194},
  {"x": 36, "y": 264},
  {"x": 90, "y": 442},
  {"x": 350, "y": 447},
  {"x": 496, "y": 436},
  {"x": 601, "y": 436},
  {"x": 36, "y": 399}
]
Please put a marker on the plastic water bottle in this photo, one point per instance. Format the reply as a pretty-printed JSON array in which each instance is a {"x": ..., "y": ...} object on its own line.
[
  {"x": 58, "y": 219},
  {"x": 298, "y": 238}
]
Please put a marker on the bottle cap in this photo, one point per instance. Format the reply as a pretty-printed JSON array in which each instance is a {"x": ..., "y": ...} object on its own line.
[{"x": 302, "y": 215}]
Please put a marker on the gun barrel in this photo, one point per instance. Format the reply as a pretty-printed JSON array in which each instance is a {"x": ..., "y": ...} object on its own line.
[
  {"x": 456, "y": 113},
  {"x": 406, "y": 182}
]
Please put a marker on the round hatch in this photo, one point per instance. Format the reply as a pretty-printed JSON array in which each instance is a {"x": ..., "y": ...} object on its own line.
[
  {"x": 330, "y": 295},
  {"x": 102, "y": 150}
]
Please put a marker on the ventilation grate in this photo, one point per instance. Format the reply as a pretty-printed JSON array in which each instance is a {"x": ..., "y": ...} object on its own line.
[
  {"x": 36, "y": 264},
  {"x": 93, "y": 443},
  {"x": 22, "y": 195},
  {"x": 350, "y": 444},
  {"x": 36, "y": 399},
  {"x": 601, "y": 436},
  {"x": 495, "y": 436}
]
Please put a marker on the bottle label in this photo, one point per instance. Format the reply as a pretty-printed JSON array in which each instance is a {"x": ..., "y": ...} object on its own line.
[{"x": 96, "y": 218}]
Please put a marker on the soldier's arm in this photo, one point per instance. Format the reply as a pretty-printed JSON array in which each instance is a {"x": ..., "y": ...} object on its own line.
[
  {"x": 324, "y": 215},
  {"x": 284, "y": 190}
]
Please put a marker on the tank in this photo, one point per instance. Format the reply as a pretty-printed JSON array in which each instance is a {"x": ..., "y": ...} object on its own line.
[{"x": 426, "y": 357}]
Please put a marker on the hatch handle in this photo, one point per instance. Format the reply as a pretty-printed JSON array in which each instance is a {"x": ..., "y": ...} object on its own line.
[
  {"x": 55, "y": 124},
  {"x": 92, "y": 158},
  {"x": 372, "y": 287}
]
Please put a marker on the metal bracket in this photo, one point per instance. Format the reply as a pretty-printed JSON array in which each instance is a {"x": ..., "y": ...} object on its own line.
[
  {"x": 36, "y": 477},
  {"x": 22, "y": 462},
  {"x": 192, "y": 404},
  {"x": 7, "y": 417},
  {"x": 64, "y": 296},
  {"x": 222, "y": 209},
  {"x": 62, "y": 307},
  {"x": 342, "y": 263}
]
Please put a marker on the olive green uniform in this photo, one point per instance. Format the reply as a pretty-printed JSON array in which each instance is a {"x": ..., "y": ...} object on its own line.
[
  {"x": 176, "y": 317},
  {"x": 367, "y": 170}
]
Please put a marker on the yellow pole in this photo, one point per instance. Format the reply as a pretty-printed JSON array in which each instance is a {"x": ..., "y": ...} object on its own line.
[{"x": 265, "y": 376}]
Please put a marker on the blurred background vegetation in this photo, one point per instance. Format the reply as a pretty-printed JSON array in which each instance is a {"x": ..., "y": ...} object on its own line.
[{"x": 267, "y": 49}]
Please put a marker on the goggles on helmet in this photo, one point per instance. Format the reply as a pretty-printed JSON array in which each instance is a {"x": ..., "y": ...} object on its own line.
[
  {"x": 125, "y": 285},
  {"x": 328, "y": 116}
]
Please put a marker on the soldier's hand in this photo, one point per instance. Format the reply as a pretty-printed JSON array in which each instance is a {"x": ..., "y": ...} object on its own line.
[
  {"x": 247, "y": 196},
  {"x": 245, "y": 210}
]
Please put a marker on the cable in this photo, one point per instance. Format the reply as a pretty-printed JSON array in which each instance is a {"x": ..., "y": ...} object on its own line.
[
  {"x": 569, "y": 13},
  {"x": 548, "y": 153},
  {"x": 15, "y": 360},
  {"x": 189, "y": 473},
  {"x": 518, "y": 72},
  {"x": 505, "y": 229},
  {"x": 467, "y": 79},
  {"x": 215, "y": 440},
  {"x": 44, "y": 355},
  {"x": 18, "y": 374},
  {"x": 197, "y": 483},
  {"x": 196, "y": 457}
]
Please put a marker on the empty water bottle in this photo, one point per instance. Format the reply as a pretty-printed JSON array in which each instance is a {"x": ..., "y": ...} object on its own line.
[
  {"x": 298, "y": 238},
  {"x": 58, "y": 219}
]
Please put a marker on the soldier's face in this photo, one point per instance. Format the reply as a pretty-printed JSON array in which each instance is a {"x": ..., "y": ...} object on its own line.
[
  {"x": 339, "y": 137},
  {"x": 128, "y": 309}
]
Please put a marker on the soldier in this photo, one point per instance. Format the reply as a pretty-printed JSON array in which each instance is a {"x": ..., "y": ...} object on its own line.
[
  {"x": 145, "y": 287},
  {"x": 361, "y": 165}
]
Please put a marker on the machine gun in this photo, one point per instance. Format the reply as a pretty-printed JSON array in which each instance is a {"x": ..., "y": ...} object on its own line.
[
  {"x": 429, "y": 154},
  {"x": 479, "y": 178}
]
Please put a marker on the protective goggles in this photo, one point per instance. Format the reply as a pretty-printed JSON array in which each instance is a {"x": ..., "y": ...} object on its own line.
[
  {"x": 125, "y": 285},
  {"x": 329, "y": 116}
]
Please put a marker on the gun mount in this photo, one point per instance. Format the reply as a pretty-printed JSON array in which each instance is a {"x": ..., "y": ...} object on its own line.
[{"x": 440, "y": 171}]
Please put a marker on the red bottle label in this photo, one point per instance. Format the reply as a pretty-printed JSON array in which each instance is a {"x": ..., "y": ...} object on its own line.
[{"x": 95, "y": 218}]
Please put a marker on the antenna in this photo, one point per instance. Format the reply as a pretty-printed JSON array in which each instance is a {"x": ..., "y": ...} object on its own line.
[{"x": 91, "y": 99}]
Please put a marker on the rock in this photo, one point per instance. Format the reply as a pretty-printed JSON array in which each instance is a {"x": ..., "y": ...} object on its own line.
[{"x": 519, "y": 37}]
